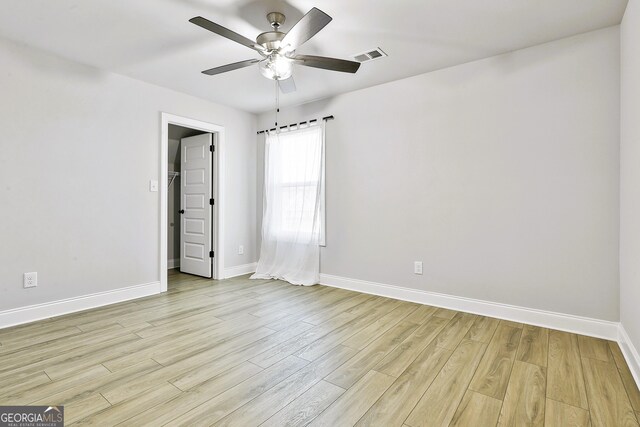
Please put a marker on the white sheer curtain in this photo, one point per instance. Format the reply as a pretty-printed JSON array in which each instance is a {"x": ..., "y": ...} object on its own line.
[{"x": 293, "y": 206}]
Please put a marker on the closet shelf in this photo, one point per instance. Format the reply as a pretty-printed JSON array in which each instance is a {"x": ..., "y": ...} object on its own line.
[{"x": 172, "y": 177}]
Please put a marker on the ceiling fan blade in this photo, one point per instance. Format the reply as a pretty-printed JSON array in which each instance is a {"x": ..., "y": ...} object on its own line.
[
  {"x": 230, "y": 67},
  {"x": 225, "y": 32},
  {"x": 308, "y": 26},
  {"x": 325, "y": 63},
  {"x": 287, "y": 85}
]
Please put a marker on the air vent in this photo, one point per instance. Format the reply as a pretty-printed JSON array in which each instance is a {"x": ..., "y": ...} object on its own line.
[{"x": 370, "y": 55}]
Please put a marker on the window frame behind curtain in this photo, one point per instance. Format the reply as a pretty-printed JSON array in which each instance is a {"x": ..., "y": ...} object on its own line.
[{"x": 291, "y": 130}]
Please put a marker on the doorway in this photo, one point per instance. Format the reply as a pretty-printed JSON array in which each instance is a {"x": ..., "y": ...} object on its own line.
[
  {"x": 191, "y": 198},
  {"x": 190, "y": 201}
]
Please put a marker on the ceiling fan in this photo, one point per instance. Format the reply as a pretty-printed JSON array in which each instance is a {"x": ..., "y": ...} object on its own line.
[{"x": 278, "y": 49}]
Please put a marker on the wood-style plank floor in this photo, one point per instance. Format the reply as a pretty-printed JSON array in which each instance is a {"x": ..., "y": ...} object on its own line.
[{"x": 245, "y": 352}]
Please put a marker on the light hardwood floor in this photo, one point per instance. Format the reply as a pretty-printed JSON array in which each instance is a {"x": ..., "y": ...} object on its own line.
[{"x": 245, "y": 352}]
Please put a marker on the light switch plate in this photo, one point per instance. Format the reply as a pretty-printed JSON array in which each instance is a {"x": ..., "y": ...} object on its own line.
[{"x": 153, "y": 185}]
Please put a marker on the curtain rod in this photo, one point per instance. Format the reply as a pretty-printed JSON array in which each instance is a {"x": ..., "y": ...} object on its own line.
[{"x": 296, "y": 124}]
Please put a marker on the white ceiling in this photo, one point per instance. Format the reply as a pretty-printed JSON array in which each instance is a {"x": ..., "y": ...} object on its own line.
[{"x": 152, "y": 40}]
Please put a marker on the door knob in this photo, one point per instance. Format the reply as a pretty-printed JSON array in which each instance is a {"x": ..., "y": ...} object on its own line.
[{"x": 181, "y": 211}]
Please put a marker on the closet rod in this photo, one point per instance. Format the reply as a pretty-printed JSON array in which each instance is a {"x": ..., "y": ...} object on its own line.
[{"x": 296, "y": 124}]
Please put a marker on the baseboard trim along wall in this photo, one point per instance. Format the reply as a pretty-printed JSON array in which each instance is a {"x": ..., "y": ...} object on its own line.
[
  {"x": 240, "y": 270},
  {"x": 630, "y": 353},
  {"x": 613, "y": 331},
  {"x": 173, "y": 263},
  {"x": 35, "y": 312},
  {"x": 21, "y": 315},
  {"x": 564, "y": 322}
]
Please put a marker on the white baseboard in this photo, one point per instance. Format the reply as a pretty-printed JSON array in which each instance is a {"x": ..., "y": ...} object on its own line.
[
  {"x": 630, "y": 353},
  {"x": 564, "y": 322},
  {"x": 239, "y": 270},
  {"x": 31, "y": 313},
  {"x": 173, "y": 263}
]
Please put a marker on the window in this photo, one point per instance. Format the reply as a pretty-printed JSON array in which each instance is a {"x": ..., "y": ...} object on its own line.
[{"x": 294, "y": 184}]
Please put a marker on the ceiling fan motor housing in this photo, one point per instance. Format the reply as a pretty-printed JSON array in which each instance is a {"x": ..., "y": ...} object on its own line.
[{"x": 270, "y": 40}]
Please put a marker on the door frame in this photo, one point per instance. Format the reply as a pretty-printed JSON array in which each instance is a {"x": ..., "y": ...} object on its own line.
[{"x": 217, "y": 190}]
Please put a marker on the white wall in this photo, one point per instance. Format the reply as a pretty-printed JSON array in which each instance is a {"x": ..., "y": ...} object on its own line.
[
  {"x": 501, "y": 175},
  {"x": 78, "y": 149},
  {"x": 630, "y": 173}
]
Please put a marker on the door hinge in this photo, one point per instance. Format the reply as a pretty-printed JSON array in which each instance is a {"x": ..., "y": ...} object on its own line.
[
  {"x": 212, "y": 148},
  {"x": 212, "y": 202},
  {"x": 210, "y": 254}
]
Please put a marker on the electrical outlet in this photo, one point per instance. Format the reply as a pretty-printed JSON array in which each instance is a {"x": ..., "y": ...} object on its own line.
[
  {"x": 30, "y": 280},
  {"x": 417, "y": 267},
  {"x": 153, "y": 185},
  {"x": 240, "y": 250}
]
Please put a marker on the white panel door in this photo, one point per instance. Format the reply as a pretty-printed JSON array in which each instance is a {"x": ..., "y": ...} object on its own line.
[{"x": 195, "y": 207}]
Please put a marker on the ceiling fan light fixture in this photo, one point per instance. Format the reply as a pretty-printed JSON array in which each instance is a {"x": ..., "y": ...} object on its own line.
[{"x": 276, "y": 67}]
